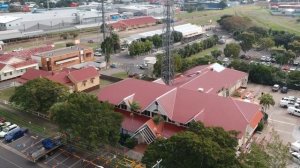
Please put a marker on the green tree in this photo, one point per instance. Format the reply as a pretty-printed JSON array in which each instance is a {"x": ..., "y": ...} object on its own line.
[
  {"x": 234, "y": 23},
  {"x": 198, "y": 147},
  {"x": 256, "y": 158},
  {"x": 266, "y": 100},
  {"x": 247, "y": 41},
  {"x": 107, "y": 48},
  {"x": 39, "y": 95},
  {"x": 216, "y": 53},
  {"x": 232, "y": 50},
  {"x": 266, "y": 43},
  {"x": 157, "y": 41},
  {"x": 116, "y": 42},
  {"x": 177, "y": 36},
  {"x": 223, "y": 4},
  {"x": 87, "y": 122},
  {"x": 295, "y": 46},
  {"x": 259, "y": 32}
]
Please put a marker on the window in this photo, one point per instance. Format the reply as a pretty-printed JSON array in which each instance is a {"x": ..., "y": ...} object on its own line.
[
  {"x": 9, "y": 25},
  {"x": 146, "y": 113},
  {"x": 10, "y": 73},
  {"x": 4, "y": 74},
  {"x": 92, "y": 80},
  {"x": 84, "y": 83}
]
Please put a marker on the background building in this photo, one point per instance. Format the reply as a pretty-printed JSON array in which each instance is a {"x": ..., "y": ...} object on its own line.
[{"x": 65, "y": 57}]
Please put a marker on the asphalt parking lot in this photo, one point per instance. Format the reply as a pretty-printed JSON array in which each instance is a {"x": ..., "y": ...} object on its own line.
[
  {"x": 60, "y": 158},
  {"x": 286, "y": 125}
]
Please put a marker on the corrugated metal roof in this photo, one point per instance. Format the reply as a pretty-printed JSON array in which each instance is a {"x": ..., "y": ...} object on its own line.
[{"x": 7, "y": 19}]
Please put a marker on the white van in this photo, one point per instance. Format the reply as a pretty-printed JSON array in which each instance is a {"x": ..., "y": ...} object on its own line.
[{"x": 8, "y": 130}]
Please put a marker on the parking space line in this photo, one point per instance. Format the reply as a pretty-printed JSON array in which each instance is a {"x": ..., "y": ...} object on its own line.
[
  {"x": 75, "y": 163},
  {"x": 53, "y": 158},
  {"x": 10, "y": 162},
  {"x": 31, "y": 145},
  {"x": 65, "y": 160},
  {"x": 283, "y": 122},
  {"x": 15, "y": 141},
  {"x": 286, "y": 132}
]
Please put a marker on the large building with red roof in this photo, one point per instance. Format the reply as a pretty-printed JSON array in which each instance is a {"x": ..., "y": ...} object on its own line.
[
  {"x": 133, "y": 23},
  {"x": 76, "y": 80},
  {"x": 182, "y": 103}
]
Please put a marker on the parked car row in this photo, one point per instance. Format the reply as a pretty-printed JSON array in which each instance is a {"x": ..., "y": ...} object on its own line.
[
  {"x": 295, "y": 151},
  {"x": 10, "y": 131},
  {"x": 289, "y": 101},
  {"x": 283, "y": 89}
]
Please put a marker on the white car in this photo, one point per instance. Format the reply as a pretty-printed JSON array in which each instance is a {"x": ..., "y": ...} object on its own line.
[
  {"x": 98, "y": 54},
  {"x": 288, "y": 103},
  {"x": 8, "y": 130},
  {"x": 294, "y": 111},
  {"x": 4, "y": 125},
  {"x": 263, "y": 58},
  {"x": 17, "y": 50},
  {"x": 296, "y": 157}
]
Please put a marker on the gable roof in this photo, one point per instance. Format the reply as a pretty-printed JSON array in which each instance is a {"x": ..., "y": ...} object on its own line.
[
  {"x": 32, "y": 73},
  {"x": 2, "y": 66},
  {"x": 60, "y": 77},
  {"x": 139, "y": 21},
  {"x": 184, "y": 105},
  {"x": 83, "y": 74},
  {"x": 219, "y": 78},
  {"x": 24, "y": 63},
  {"x": 143, "y": 92}
]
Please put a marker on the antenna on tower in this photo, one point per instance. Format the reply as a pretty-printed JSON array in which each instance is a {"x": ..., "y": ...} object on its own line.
[{"x": 167, "y": 69}]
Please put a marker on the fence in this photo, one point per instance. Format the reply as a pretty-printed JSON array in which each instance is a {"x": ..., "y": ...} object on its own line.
[{"x": 110, "y": 78}]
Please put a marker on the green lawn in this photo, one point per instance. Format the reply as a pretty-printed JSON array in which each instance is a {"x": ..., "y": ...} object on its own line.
[
  {"x": 122, "y": 75},
  {"x": 204, "y": 52},
  {"x": 259, "y": 16},
  {"x": 7, "y": 93},
  {"x": 28, "y": 121}
]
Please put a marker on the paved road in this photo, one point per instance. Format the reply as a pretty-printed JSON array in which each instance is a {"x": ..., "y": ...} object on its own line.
[{"x": 11, "y": 160}]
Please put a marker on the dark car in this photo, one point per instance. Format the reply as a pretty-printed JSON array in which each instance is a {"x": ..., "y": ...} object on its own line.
[
  {"x": 284, "y": 89},
  {"x": 18, "y": 133}
]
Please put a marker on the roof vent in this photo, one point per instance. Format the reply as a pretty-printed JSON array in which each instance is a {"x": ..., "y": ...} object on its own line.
[
  {"x": 200, "y": 90},
  {"x": 212, "y": 69},
  {"x": 198, "y": 72}
]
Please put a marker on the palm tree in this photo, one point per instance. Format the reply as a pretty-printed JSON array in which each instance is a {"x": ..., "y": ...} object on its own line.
[
  {"x": 134, "y": 106},
  {"x": 266, "y": 100}
]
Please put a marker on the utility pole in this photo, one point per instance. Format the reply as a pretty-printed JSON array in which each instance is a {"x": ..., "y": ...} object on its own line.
[
  {"x": 47, "y": 4},
  {"x": 103, "y": 21}
]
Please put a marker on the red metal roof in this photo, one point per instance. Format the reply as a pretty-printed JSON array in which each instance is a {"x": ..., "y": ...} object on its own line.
[
  {"x": 139, "y": 21},
  {"x": 142, "y": 91},
  {"x": 131, "y": 121},
  {"x": 25, "y": 54},
  {"x": 60, "y": 77},
  {"x": 2, "y": 66},
  {"x": 211, "y": 81},
  {"x": 83, "y": 74},
  {"x": 31, "y": 74},
  {"x": 24, "y": 63},
  {"x": 118, "y": 25},
  {"x": 184, "y": 105}
]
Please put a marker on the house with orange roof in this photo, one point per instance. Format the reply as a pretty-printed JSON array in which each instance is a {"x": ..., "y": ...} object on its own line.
[
  {"x": 180, "y": 104},
  {"x": 76, "y": 80}
]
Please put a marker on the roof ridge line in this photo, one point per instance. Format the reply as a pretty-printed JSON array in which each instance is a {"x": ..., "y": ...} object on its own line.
[
  {"x": 239, "y": 110},
  {"x": 193, "y": 79},
  {"x": 159, "y": 97},
  {"x": 175, "y": 97}
]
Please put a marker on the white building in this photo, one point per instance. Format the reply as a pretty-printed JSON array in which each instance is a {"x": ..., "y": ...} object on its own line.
[
  {"x": 12, "y": 67},
  {"x": 9, "y": 22}
]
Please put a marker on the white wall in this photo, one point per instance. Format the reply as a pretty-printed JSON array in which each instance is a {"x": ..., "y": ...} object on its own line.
[{"x": 9, "y": 72}]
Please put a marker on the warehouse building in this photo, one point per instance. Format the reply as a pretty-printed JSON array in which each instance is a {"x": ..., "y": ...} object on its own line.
[
  {"x": 58, "y": 59},
  {"x": 187, "y": 30}
]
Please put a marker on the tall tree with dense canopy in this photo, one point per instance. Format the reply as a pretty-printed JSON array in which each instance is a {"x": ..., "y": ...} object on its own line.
[
  {"x": 200, "y": 146},
  {"x": 247, "y": 41},
  {"x": 39, "y": 95},
  {"x": 86, "y": 121},
  {"x": 266, "y": 43},
  {"x": 232, "y": 50}
]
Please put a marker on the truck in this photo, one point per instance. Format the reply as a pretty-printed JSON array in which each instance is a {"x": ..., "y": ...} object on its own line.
[{"x": 47, "y": 147}]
